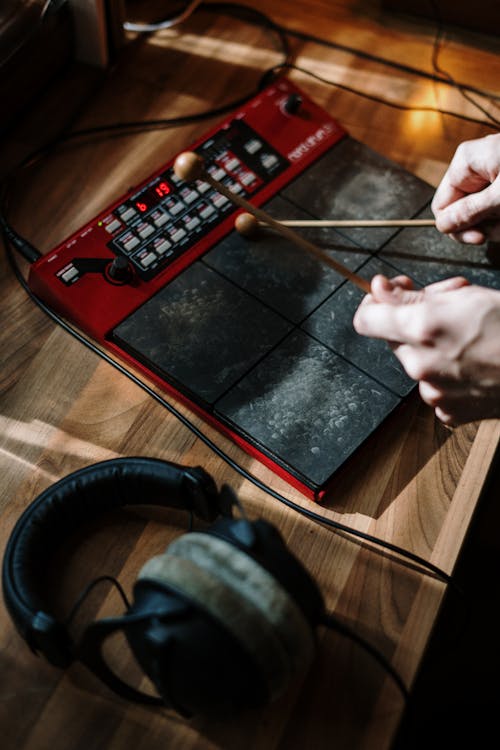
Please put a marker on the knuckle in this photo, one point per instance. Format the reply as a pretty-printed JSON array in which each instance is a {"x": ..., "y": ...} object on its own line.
[
  {"x": 464, "y": 148},
  {"x": 436, "y": 204},
  {"x": 424, "y": 329},
  {"x": 471, "y": 209}
]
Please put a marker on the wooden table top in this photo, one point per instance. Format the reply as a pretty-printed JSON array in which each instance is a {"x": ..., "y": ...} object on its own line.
[{"x": 416, "y": 484}]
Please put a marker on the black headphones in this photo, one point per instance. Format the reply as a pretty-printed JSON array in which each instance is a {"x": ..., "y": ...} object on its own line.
[{"x": 223, "y": 620}]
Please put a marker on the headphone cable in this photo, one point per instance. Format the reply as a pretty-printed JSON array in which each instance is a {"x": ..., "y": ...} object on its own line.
[
  {"x": 89, "y": 588},
  {"x": 334, "y": 624}
]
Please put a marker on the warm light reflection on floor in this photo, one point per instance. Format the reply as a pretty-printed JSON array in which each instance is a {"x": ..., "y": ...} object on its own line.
[
  {"x": 417, "y": 122},
  {"x": 214, "y": 48},
  {"x": 37, "y": 433},
  {"x": 441, "y": 98},
  {"x": 389, "y": 85},
  {"x": 10, "y": 458}
]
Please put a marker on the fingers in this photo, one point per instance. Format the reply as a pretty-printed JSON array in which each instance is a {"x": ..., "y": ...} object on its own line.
[
  {"x": 469, "y": 236},
  {"x": 445, "y": 408},
  {"x": 469, "y": 211},
  {"x": 426, "y": 362},
  {"x": 455, "y": 403},
  {"x": 397, "y": 323},
  {"x": 475, "y": 164},
  {"x": 460, "y": 180},
  {"x": 446, "y": 285},
  {"x": 444, "y": 397},
  {"x": 389, "y": 311},
  {"x": 392, "y": 291},
  {"x": 467, "y": 201},
  {"x": 477, "y": 235}
]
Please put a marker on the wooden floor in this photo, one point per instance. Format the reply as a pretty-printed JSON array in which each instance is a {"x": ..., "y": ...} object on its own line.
[{"x": 61, "y": 408}]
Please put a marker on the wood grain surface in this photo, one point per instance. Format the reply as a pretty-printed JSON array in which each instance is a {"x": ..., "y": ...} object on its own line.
[{"x": 415, "y": 483}]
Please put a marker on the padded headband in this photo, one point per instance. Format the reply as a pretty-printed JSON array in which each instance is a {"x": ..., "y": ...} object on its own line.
[{"x": 82, "y": 496}]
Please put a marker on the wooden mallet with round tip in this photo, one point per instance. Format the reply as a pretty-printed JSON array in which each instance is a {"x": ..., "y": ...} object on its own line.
[
  {"x": 190, "y": 166},
  {"x": 247, "y": 225}
]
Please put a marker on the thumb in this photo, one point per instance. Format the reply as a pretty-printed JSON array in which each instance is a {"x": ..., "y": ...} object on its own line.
[{"x": 392, "y": 292}]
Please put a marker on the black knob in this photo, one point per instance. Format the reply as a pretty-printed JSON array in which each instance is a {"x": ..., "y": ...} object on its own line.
[
  {"x": 119, "y": 269},
  {"x": 292, "y": 104}
]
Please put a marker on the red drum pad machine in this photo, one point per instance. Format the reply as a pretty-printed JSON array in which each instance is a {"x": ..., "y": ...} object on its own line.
[{"x": 256, "y": 335}]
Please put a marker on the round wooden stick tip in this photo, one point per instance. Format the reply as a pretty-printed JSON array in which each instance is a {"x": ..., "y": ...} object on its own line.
[
  {"x": 189, "y": 166},
  {"x": 246, "y": 224}
]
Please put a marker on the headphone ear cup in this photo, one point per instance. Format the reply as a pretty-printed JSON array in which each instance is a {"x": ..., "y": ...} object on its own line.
[{"x": 246, "y": 605}]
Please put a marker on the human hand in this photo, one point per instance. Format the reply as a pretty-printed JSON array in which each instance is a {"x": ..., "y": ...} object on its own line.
[
  {"x": 446, "y": 336},
  {"x": 466, "y": 204}
]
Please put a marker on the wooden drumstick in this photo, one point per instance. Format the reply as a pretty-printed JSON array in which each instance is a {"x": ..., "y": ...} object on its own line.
[
  {"x": 190, "y": 166},
  {"x": 246, "y": 224}
]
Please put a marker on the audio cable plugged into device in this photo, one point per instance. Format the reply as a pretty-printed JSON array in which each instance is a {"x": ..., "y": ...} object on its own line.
[{"x": 23, "y": 247}]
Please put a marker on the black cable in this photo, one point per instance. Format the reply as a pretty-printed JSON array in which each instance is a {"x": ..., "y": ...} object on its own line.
[
  {"x": 332, "y": 623},
  {"x": 436, "y": 49},
  {"x": 307, "y": 37},
  {"x": 139, "y": 126},
  {"x": 235, "y": 9},
  {"x": 439, "y": 75},
  {"x": 327, "y": 620},
  {"x": 243, "y": 12},
  {"x": 381, "y": 100},
  {"x": 31, "y": 254},
  {"x": 167, "y": 23},
  {"x": 419, "y": 561},
  {"x": 24, "y": 248},
  {"x": 251, "y": 15},
  {"x": 134, "y": 126},
  {"x": 86, "y": 591}
]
